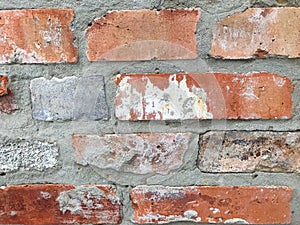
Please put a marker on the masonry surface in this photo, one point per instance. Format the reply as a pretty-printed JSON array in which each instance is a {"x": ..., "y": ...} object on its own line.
[{"x": 126, "y": 112}]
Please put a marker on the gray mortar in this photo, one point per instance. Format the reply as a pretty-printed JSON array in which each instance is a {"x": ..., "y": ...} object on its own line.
[{"x": 20, "y": 124}]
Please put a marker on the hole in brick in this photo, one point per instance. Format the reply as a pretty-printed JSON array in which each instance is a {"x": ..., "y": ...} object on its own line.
[
  {"x": 158, "y": 146},
  {"x": 254, "y": 176},
  {"x": 2, "y": 174}
]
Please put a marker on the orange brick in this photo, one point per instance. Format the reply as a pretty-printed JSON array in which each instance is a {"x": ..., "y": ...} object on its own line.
[
  {"x": 143, "y": 35},
  {"x": 203, "y": 96},
  {"x": 253, "y": 205},
  {"x": 3, "y": 85},
  {"x": 258, "y": 32},
  {"x": 59, "y": 204},
  {"x": 37, "y": 36}
]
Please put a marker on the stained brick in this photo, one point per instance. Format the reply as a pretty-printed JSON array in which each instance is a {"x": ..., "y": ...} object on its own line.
[
  {"x": 37, "y": 36},
  {"x": 59, "y": 204},
  {"x": 207, "y": 204},
  {"x": 135, "y": 153},
  {"x": 242, "y": 151},
  {"x": 258, "y": 32},
  {"x": 69, "y": 98},
  {"x": 6, "y": 96},
  {"x": 27, "y": 155},
  {"x": 143, "y": 35},
  {"x": 3, "y": 85},
  {"x": 203, "y": 96}
]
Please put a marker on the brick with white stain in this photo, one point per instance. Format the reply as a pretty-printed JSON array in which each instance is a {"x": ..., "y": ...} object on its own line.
[
  {"x": 258, "y": 32},
  {"x": 211, "y": 204},
  {"x": 203, "y": 96},
  {"x": 37, "y": 36},
  {"x": 59, "y": 204},
  {"x": 136, "y": 153}
]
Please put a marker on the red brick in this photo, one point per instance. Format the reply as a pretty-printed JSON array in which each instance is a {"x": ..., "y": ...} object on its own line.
[
  {"x": 143, "y": 35},
  {"x": 253, "y": 205},
  {"x": 3, "y": 85},
  {"x": 37, "y": 36},
  {"x": 258, "y": 32},
  {"x": 59, "y": 204},
  {"x": 203, "y": 96},
  {"x": 6, "y": 96},
  {"x": 135, "y": 153}
]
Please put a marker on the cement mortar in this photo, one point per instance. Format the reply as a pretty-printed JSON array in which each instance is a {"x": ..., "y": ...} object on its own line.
[{"x": 20, "y": 124}]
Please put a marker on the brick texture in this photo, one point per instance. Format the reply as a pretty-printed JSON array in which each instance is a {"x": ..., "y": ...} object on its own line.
[
  {"x": 3, "y": 85},
  {"x": 203, "y": 96},
  {"x": 253, "y": 205},
  {"x": 241, "y": 151},
  {"x": 143, "y": 35},
  {"x": 70, "y": 98},
  {"x": 27, "y": 155},
  {"x": 37, "y": 36},
  {"x": 258, "y": 32},
  {"x": 6, "y": 96},
  {"x": 59, "y": 204},
  {"x": 135, "y": 153}
]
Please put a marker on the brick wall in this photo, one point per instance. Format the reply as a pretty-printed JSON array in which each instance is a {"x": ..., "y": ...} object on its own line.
[{"x": 148, "y": 111}]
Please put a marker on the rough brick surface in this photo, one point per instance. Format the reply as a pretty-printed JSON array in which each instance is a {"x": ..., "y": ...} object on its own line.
[
  {"x": 258, "y": 32},
  {"x": 6, "y": 96},
  {"x": 143, "y": 35},
  {"x": 241, "y": 151},
  {"x": 3, "y": 85},
  {"x": 59, "y": 204},
  {"x": 37, "y": 36},
  {"x": 27, "y": 155},
  {"x": 203, "y": 96},
  {"x": 253, "y": 205},
  {"x": 135, "y": 153},
  {"x": 69, "y": 98}
]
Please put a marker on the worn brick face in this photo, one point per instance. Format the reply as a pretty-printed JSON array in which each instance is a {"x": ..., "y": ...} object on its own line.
[
  {"x": 27, "y": 155},
  {"x": 3, "y": 85},
  {"x": 242, "y": 151},
  {"x": 70, "y": 98},
  {"x": 37, "y": 36},
  {"x": 253, "y": 205},
  {"x": 203, "y": 96},
  {"x": 258, "y": 32},
  {"x": 59, "y": 204},
  {"x": 135, "y": 153},
  {"x": 143, "y": 35},
  {"x": 6, "y": 96}
]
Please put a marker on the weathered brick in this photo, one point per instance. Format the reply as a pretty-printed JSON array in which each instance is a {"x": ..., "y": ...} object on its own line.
[
  {"x": 203, "y": 96},
  {"x": 27, "y": 155},
  {"x": 258, "y": 32},
  {"x": 59, "y": 204},
  {"x": 135, "y": 153},
  {"x": 242, "y": 151},
  {"x": 3, "y": 85},
  {"x": 37, "y": 36},
  {"x": 253, "y": 205},
  {"x": 6, "y": 96},
  {"x": 143, "y": 35},
  {"x": 7, "y": 104},
  {"x": 69, "y": 98}
]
